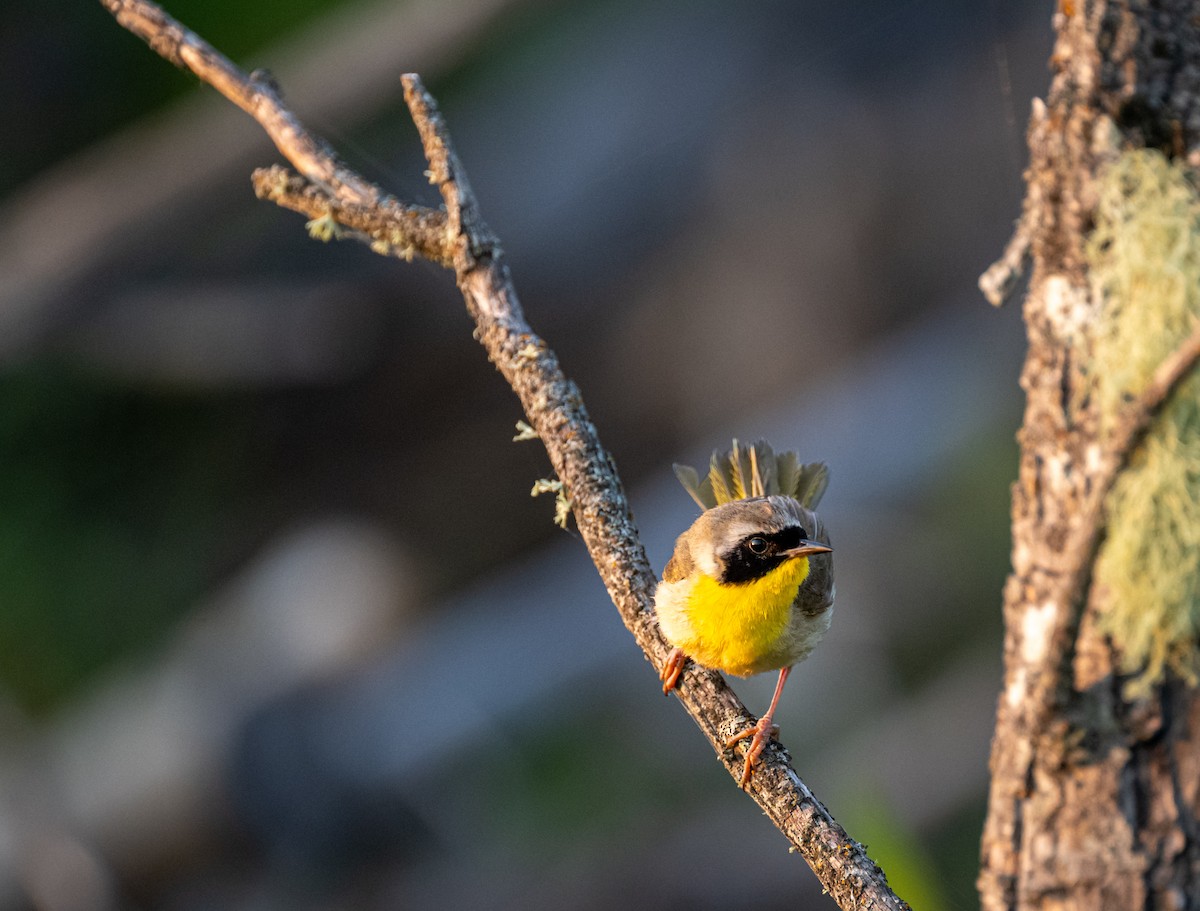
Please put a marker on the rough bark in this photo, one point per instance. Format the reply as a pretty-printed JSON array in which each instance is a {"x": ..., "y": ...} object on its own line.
[{"x": 1094, "y": 797}]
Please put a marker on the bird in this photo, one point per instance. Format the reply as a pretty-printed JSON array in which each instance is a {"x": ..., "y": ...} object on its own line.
[{"x": 749, "y": 587}]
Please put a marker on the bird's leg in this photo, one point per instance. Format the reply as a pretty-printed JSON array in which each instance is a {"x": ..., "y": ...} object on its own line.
[
  {"x": 672, "y": 669},
  {"x": 761, "y": 732}
]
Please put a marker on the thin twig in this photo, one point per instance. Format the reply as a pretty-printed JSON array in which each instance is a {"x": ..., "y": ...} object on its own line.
[
  {"x": 1001, "y": 278},
  {"x": 1140, "y": 413},
  {"x": 552, "y": 403},
  {"x": 255, "y": 93},
  {"x": 422, "y": 231}
]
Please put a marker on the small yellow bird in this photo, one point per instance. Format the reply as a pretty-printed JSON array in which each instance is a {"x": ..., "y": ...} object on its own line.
[{"x": 749, "y": 588}]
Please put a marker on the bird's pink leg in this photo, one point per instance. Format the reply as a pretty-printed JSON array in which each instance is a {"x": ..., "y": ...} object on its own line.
[
  {"x": 672, "y": 669},
  {"x": 761, "y": 732}
]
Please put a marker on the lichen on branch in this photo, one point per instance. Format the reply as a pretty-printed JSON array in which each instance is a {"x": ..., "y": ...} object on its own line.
[{"x": 1145, "y": 259}]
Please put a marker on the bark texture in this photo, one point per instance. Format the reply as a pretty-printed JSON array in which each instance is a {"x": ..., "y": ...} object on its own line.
[{"x": 1094, "y": 798}]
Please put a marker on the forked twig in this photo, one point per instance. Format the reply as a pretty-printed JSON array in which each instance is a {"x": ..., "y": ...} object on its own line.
[{"x": 458, "y": 238}]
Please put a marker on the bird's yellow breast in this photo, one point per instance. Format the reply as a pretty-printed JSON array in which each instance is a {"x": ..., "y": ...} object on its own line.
[{"x": 741, "y": 629}]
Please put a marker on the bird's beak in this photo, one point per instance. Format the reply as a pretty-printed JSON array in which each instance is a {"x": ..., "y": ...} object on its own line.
[{"x": 807, "y": 547}]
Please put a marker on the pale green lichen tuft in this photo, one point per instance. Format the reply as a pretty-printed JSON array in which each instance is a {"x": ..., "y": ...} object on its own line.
[
  {"x": 324, "y": 229},
  {"x": 562, "y": 504},
  {"x": 1145, "y": 259},
  {"x": 524, "y": 432}
]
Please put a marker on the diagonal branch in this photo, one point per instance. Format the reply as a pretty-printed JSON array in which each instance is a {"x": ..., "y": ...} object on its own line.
[
  {"x": 553, "y": 404},
  {"x": 1079, "y": 557},
  {"x": 255, "y": 93}
]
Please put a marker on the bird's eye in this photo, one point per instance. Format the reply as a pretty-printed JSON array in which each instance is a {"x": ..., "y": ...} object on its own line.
[{"x": 757, "y": 545}]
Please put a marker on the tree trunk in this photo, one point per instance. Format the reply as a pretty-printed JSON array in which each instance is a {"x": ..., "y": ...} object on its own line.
[{"x": 1096, "y": 758}]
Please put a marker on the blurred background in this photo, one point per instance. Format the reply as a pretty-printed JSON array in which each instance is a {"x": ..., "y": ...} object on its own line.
[{"x": 280, "y": 625}]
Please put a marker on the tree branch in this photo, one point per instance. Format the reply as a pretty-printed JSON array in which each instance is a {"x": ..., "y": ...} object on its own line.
[
  {"x": 255, "y": 93},
  {"x": 1079, "y": 556},
  {"x": 553, "y": 404},
  {"x": 1072, "y": 753}
]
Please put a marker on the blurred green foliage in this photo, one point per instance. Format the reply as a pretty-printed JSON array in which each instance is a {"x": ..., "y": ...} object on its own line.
[
  {"x": 958, "y": 526},
  {"x": 911, "y": 870},
  {"x": 954, "y": 846},
  {"x": 113, "y": 504}
]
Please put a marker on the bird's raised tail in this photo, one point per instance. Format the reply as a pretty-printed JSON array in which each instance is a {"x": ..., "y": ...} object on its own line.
[{"x": 754, "y": 471}]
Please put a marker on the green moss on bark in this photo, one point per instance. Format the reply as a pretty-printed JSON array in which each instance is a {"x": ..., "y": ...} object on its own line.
[{"x": 1145, "y": 259}]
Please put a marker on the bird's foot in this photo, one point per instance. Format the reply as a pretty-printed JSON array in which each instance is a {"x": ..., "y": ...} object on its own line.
[
  {"x": 761, "y": 734},
  {"x": 672, "y": 669}
]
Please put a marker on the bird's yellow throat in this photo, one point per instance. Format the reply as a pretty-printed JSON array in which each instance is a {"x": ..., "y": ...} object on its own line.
[{"x": 737, "y": 626}]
